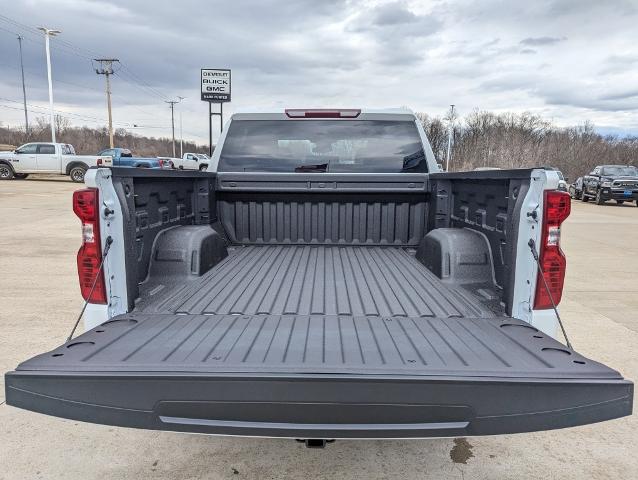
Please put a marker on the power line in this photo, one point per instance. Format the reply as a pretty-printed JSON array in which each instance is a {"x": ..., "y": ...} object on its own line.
[
  {"x": 81, "y": 116},
  {"x": 77, "y": 85},
  {"x": 129, "y": 72},
  {"x": 86, "y": 54},
  {"x": 59, "y": 112},
  {"x": 61, "y": 46},
  {"x": 65, "y": 44},
  {"x": 14, "y": 32},
  {"x": 138, "y": 86},
  {"x": 34, "y": 74},
  {"x": 30, "y": 33},
  {"x": 129, "y": 77},
  {"x": 88, "y": 119},
  {"x": 93, "y": 119}
]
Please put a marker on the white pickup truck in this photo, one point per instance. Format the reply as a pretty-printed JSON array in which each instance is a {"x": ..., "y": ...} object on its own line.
[
  {"x": 326, "y": 281},
  {"x": 192, "y": 161},
  {"x": 43, "y": 157}
]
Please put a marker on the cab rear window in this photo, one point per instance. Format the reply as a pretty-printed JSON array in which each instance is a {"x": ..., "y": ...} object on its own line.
[{"x": 332, "y": 146}]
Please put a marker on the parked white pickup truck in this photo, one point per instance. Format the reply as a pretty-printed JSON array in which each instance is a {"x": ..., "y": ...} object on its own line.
[
  {"x": 326, "y": 281},
  {"x": 42, "y": 157},
  {"x": 192, "y": 161}
]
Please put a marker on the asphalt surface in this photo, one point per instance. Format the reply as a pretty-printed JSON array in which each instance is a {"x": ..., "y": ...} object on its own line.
[{"x": 39, "y": 300}]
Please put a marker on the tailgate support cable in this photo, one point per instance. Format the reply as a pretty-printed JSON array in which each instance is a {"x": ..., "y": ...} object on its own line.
[
  {"x": 532, "y": 246},
  {"x": 107, "y": 246}
]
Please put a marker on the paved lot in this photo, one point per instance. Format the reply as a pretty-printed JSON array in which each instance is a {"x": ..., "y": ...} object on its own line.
[{"x": 39, "y": 299}]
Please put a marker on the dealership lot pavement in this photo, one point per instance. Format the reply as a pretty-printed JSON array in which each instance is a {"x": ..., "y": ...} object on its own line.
[{"x": 39, "y": 300}]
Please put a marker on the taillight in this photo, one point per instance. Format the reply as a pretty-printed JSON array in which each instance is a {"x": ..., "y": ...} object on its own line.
[
  {"x": 322, "y": 113},
  {"x": 556, "y": 209},
  {"x": 86, "y": 207}
]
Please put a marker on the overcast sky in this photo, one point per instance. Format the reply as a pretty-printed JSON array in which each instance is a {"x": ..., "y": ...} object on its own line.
[{"x": 569, "y": 60}]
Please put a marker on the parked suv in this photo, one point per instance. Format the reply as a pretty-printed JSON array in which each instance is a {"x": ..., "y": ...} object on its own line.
[{"x": 611, "y": 182}]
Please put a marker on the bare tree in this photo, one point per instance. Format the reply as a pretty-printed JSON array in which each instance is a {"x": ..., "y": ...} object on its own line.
[
  {"x": 511, "y": 140},
  {"x": 481, "y": 139},
  {"x": 436, "y": 133},
  {"x": 89, "y": 141}
]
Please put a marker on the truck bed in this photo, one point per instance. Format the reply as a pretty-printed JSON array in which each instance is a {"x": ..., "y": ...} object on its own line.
[
  {"x": 315, "y": 280},
  {"x": 319, "y": 342}
]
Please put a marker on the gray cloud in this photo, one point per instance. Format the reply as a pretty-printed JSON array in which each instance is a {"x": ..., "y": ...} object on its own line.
[
  {"x": 573, "y": 93},
  {"x": 392, "y": 14},
  {"x": 327, "y": 53},
  {"x": 395, "y": 20},
  {"x": 538, "y": 41},
  {"x": 574, "y": 7},
  {"x": 626, "y": 95},
  {"x": 618, "y": 64}
]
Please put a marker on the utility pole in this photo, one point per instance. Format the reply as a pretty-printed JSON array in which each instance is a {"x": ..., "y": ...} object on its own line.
[
  {"x": 48, "y": 33},
  {"x": 172, "y": 104},
  {"x": 181, "y": 133},
  {"x": 24, "y": 90},
  {"x": 106, "y": 69},
  {"x": 449, "y": 139}
]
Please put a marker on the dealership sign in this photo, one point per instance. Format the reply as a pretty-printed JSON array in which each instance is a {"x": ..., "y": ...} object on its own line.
[{"x": 215, "y": 85}]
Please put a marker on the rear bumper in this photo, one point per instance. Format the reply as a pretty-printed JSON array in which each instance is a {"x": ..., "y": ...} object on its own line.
[{"x": 321, "y": 406}]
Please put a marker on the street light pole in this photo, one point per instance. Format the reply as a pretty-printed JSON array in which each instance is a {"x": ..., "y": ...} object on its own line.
[
  {"x": 449, "y": 139},
  {"x": 48, "y": 33}
]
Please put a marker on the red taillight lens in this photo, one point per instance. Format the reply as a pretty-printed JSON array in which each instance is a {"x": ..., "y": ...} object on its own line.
[
  {"x": 85, "y": 204},
  {"x": 322, "y": 113},
  {"x": 86, "y": 207},
  {"x": 556, "y": 209}
]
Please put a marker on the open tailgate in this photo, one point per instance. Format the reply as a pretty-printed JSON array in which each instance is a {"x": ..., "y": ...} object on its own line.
[{"x": 320, "y": 377}]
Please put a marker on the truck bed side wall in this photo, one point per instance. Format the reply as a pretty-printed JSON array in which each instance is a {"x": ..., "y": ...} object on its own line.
[
  {"x": 153, "y": 201},
  {"x": 489, "y": 202}
]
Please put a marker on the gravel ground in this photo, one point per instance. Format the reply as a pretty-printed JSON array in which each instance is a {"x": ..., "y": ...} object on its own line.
[{"x": 39, "y": 299}]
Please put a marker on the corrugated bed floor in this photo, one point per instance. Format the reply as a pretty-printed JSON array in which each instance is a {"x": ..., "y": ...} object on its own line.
[
  {"x": 318, "y": 344},
  {"x": 315, "y": 280}
]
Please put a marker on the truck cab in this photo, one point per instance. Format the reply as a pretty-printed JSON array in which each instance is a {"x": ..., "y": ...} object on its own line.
[
  {"x": 46, "y": 157},
  {"x": 611, "y": 182}
]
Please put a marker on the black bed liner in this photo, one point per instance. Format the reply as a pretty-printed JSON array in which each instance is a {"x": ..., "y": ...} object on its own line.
[
  {"x": 315, "y": 280},
  {"x": 320, "y": 377},
  {"x": 401, "y": 346}
]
